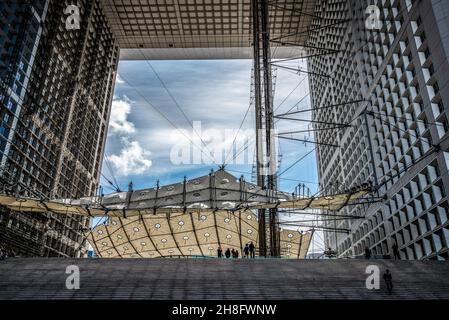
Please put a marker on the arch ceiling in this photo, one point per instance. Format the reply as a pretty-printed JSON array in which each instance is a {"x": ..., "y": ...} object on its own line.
[{"x": 203, "y": 29}]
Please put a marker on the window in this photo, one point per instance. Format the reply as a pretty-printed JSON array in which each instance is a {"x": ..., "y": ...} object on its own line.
[
  {"x": 427, "y": 53},
  {"x": 436, "y": 87},
  {"x": 431, "y": 70},
  {"x": 418, "y": 21}
]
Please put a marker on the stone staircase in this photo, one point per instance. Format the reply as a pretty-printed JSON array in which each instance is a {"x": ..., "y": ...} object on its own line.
[{"x": 199, "y": 279}]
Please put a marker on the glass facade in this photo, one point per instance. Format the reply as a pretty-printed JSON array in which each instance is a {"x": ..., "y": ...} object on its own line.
[
  {"x": 391, "y": 82},
  {"x": 56, "y": 92}
]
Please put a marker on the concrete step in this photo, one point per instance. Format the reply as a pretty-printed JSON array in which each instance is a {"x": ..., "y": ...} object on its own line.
[{"x": 198, "y": 279}]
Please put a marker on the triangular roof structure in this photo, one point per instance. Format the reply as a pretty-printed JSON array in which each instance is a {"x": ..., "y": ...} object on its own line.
[
  {"x": 217, "y": 191},
  {"x": 191, "y": 218}
]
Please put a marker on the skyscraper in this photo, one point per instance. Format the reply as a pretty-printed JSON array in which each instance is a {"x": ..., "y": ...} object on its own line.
[
  {"x": 57, "y": 80},
  {"x": 380, "y": 93}
]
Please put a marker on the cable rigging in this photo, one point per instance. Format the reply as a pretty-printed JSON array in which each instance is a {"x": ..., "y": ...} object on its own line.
[{"x": 172, "y": 97}]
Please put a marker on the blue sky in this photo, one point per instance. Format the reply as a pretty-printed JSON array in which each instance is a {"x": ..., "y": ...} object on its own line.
[
  {"x": 147, "y": 124},
  {"x": 213, "y": 92}
]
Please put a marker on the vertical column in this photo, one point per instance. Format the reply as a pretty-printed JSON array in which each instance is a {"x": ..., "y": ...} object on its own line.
[{"x": 265, "y": 146}]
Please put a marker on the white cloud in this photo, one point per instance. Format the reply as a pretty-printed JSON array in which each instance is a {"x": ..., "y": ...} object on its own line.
[
  {"x": 133, "y": 159},
  {"x": 119, "y": 80},
  {"x": 119, "y": 123}
]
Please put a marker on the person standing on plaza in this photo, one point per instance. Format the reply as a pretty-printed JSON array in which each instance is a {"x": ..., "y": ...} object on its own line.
[{"x": 252, "y": 250}]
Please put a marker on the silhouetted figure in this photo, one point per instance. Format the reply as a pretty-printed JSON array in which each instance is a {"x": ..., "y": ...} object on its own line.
[
  {"x": 388, "y": 281},
  {"x": 220, "y": 252},
  {"x": 236, "y": 254},
  {"x": 396, "y": 254},
  {"x": 228, "y": 253},
  {"x": 367, "y": 253},
  {"x": 246, "y": 251},
  {"x": 4, "y": 253},
  {"x": 330, "y": 253},
  {"x": 252, "y": 251}
]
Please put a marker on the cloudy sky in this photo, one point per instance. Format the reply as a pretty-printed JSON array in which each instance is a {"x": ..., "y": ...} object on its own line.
[{"x": 157, "y": 103}]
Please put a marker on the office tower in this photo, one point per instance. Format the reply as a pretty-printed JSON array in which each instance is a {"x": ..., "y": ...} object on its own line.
[
  {"x": 383, "y": 89},
  {"x": 57, "y": 82}
]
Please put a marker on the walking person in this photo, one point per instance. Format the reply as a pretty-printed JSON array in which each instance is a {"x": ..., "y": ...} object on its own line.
[
  {"x": 252, "y": 251},
  {"x": 246, "y": 251},
  {"x": 388, "y": 281},
  {"x": 228, "y": 253},
  {"x": 367, "y": 253},
  {"x": 396, "y": 254},
  {"x": 219, "y": 252},
  {"x": 4, "y": 253}
]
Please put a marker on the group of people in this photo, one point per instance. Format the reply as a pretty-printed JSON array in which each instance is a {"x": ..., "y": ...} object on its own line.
[
  {"x": 395, "y": 252},
  {"x": 248, "y": 252},
  {"x": 5, "y": 254}
]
